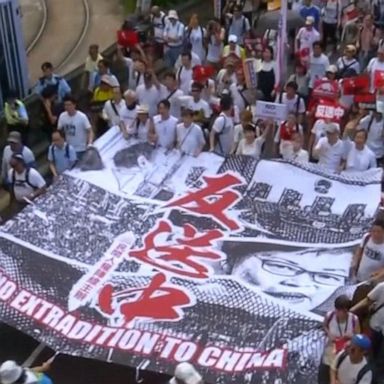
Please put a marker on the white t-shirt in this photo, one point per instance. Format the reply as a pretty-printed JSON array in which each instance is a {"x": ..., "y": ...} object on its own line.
[
  {"x": 149, "y": 96},
  {"x": 158, "y": 24},
  {"x": 295, "y": 105},
  {"x": 215, "y": 49},
  {"x": 377, "y": 319},
  {"x": 307, "y": 37},
  {"x": 174, "y": 98},
  {"x": 347, "y": 372},
  {"x": 301, "y": 156},
  {"x": 330, "y": 156},
  {"x": 239, "y": 96},
  {"x": 174, "y": 31},
  {"x": 196, "y": 38},
  {"x": 224, "y": 127},
  {"x": 166, "y": 131},
  {"x": 76, "y": 129},
  {"x": 359, "y": 160},
  {"x": 317, "y": 68},
  {"x": 190, "y": 140},
  {"x": 197, "y": 106},
  {"x": 375, "y": 139},
  {"x": 331, "y": 11},
  {"x": 110, "y": 109},
  {"x": 23, "y": 186},
  {"x": 318, "y": 130},
  {"x": 372, "y": 258},
  {"x": 128, "y": 116},
  {"x": 253, "y": 149},
  {"x": 184, "y": 77},
  {"x": 374, "y": 66}
]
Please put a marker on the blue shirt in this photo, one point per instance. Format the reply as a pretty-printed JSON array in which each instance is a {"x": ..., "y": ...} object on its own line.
[
  {"x": 311, "y": 11},
  {"x": 63, "y": 88},
  {"x": 63, "y": 158}
]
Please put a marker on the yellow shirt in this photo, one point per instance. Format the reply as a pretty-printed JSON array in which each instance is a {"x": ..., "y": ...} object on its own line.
[
  {"x": 100, "y": 95},
  {"x": 239, "y": 52}
]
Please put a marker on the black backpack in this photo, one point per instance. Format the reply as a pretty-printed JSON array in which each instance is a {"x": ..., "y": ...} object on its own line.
[
  {"x": 52, "y": 149},
  {"x": 366, "y": 368},
  {"x": 26, "y": 181}
]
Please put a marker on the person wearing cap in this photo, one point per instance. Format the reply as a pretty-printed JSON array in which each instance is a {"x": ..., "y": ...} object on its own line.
[
  {"x": 305, "y": 38},
  {"x": 348, "y": 61},
  {"x": 185, "y": 73},
  {"x": 190, "y": 137},
  {"x": 15, "y": 146},
  {"x": 149, "y": 93},
  {"x": 351, "y": 366},
  {"x": 104, "y": 91},
  {"x": 16, "y": 115},
  {"x": 202, "y": 111},
  {"x": 173, "y": 37},
  {"x": 310, "y": 10},
  {"x": 76, "y": 126},
  {"x": 238, "y": 24},
  {"x": 25, "y": 183},
  {"x": 202, "y": 75},
  {"x": 376, "y": 70},
  {"x": 112, "y": 108},
  {"x": 103, "y": 68},
  {"x": 330, "y": 150},
  {"x": 373, "y": 124},
  {"x": 318, "y": 64},
  {"x": 140, "y": 127},
  {"x": 185, "y": 373},
  {"x": 51, "y": 79},
  {"x": 162, "y": 132},
  {"x": 233, "y": 48},
  {"x": 12, "y": 373}
]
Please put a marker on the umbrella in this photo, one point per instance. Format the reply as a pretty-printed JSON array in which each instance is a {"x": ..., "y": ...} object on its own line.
[{"x": 270, "y": 20}]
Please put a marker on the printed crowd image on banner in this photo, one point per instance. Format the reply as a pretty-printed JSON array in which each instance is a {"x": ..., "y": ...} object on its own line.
[{"x": 148, "y": 258}]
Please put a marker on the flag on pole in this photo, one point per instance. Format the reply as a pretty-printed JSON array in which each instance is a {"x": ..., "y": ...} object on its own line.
[{"x": 281, "y": 46}]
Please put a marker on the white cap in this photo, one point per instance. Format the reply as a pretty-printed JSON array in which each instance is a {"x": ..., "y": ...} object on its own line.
[
  {"x": 186, "y": 373},
  {"x": 332, "y": 69},
  {"x": 232, "y": 39},
  {"x": 172, "y": 14},
  {"x": 10, "y": 372},
  {"x": 110, "y": 80},
  {"x": 309, "y": 20},
  {"x": 142, "y": 109}
]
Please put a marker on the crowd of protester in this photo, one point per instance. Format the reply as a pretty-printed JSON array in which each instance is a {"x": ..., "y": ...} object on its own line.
[{"x": 205, "y": 101}]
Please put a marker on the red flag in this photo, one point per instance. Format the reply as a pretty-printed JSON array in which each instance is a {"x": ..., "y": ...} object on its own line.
[
  {"x": 378, "y": 79},
  {"x": 127, "y": 38},
  {"x": 354, "y": 85}
]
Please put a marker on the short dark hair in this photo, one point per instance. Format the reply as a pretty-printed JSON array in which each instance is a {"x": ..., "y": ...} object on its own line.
[
  {"x": 49, "y": 91},
  {"x": 60, "y": 132},
  {"x": 187, "y": 112},
  {"x": 70, "y": 98},
  {"x": 362, "y": 131},
  {"x": 292, "y": 84},
  {"x": 94, "y": 46},
  {"x": 165, "y": 103},
  {"x": 46, "y": 65},
  {"x": 379, "y": 222},
  {"x": 171, "y": 75},
  {"x": 198, "y": 86},
  {"x": 188, "y": 54},
  {"x": 317, "y": 44},
  {"x": 343, "y": 302},
  {"x": 105, "y": 62},
  {"x": 226, "y": 102},
  {"x": 250, "y": 128}
]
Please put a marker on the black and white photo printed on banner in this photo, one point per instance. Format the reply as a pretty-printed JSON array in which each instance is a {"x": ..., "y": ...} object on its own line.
[{"x": 200, "y": 263}]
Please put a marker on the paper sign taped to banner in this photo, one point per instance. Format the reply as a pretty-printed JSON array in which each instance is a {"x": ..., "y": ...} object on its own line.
[
  {"x": 275, "y": 111},
  {"x": 333, "y": 112}
]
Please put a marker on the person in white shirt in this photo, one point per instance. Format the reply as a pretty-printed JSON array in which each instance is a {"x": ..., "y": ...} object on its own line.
[
  {"x": 149, "y": 93},
  {"x": 318, "y": 64},
  {"x": 163, "y": 130},
  {"x": 195, "y": 34},
  {"x": 298, "y": 154},
  {"x": 185, "y": 73},
  {"x": 250, "y": 145},
  {"x": 330, "y": 150},
  {"x": 373, "y": 124},
  {"x": 26, "y": 183},
  {"x": 215, "y": 46},
  {"x": 368, "y": 260},
  {"x": 221, "y": 135},
  {"x": 227, "y": 75},
  {"x": 76, "y": 126},
  {"x": 190, "y": 137},
  {"x": 331, "y": 18},
  {"x": 195, "y": 58},
  {"x": 246, "y": 119},
  {"x": 376, "y": 69},
  {"x": 128, "y": 112},
  {"x": 140, "y": 127},
  {"x": 348, "y": 364},
  {"x": 305, "y": 38},
  {"x": 318, "y": 131},
  {"x": 284, "y": 135},
  {"x": 173, "y": 37},
  {"x": 112, "y": 108},
  {"x": 171, "y": 92},
  {"x": 238, "y": 24},
  {"x": 295, "y": 104},
  {"x": 242, "y": 96},
  {"x": 135, "y": 68},
  {"x": 359, "y": 157},
  {"x": 348, "y": 61}
]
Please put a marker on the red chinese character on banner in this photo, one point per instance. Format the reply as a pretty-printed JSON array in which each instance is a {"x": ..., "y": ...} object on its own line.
[
  {"x": 179, "y": 254},
  {"x": 158, "y": 300},
  {"x": 213, "y": 199}
]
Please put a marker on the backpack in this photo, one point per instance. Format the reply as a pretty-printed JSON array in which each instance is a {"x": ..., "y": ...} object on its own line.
[
  {"x": 366, "y": 368},
  {"x": 218, "y": 134},
  {"x": 26, "y": 181},
  {"x": 53, "y": 152},
  {"x": 244, "y": 27},
  {"x": 345, "y": 68},
  {"x": 299, "y": 98}
]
